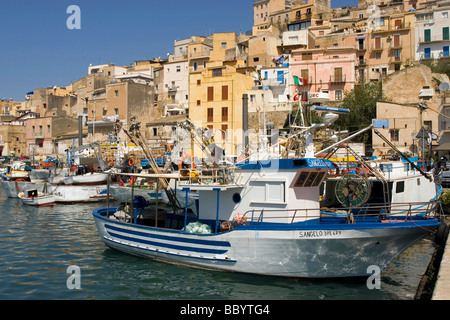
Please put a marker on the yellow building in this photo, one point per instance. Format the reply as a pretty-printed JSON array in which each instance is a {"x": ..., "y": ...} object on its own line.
[{"x": 215, "y": 99}]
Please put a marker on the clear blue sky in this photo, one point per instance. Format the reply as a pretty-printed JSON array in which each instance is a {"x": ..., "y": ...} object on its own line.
[{"x": 38, "y": 50}]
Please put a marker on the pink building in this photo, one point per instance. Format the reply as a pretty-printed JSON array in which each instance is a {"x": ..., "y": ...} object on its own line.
[{"x": 329, "y": 70}]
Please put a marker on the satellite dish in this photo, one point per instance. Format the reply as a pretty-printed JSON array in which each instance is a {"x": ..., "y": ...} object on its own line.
[{"x": 444, "y": 86}]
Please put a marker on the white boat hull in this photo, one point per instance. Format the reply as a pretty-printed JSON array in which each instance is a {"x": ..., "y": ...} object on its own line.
[
  {"x": 41, "y": 200},
  {"x": 94, "y": 178},
  {"x": 74, "y": 193},
  {"x": 296, "y": 250}
]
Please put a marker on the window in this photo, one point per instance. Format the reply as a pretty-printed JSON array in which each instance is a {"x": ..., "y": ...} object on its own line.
[
  {"x": 400, "y": 187},
  {"x": 116, "y": 93},
  {"x": 306, "y": 56},
  {"x": 379, "y": 22},
  {"x": 252, "y": 98},
  {"x": 309, "y": 179},
  {"x": 445, "y": 33},
  {"x": 338, "y": 95},
  {"x": 445, "y": 14},
  {"x": 256, "y": 59},
  {"x": 427, "y": 35},
  {"x": 394, "y": 134},
  {"x": 304, "y": 74},
  {"x": 198, "y": 102},
  {"x": 445, "y": 52},
  {"x": 195, "y": 66},
  {"x": 224, "y": 92},
  {"x": 217, "y": 72},
  {"x": 48, "y": 128},
  {"x": 224, "y": 114},
  {"x": 210, "y": 115},
  {"x": 224, "y": 44},
  {"x": 338, "y": 74},
  {"x": 427, "y": 53},
  {"x": 199, "y": 82},
  {"x": 224, "y": 131},
  {"x": 361, "y": 44},
  {"x": 178, "y": 68},
  {"x": 378, "y": 43},
  {"x": 280, "y": 77},
  {"x": 210, "y": 93}
]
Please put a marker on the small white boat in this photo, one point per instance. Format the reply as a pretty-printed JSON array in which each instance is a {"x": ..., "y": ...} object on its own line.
[
  {"x": 37, "y": 199},
  {"x": 87, "y": 179},
  {"x": 123, "y": 193},
  {"x": 78, "y": 193}
]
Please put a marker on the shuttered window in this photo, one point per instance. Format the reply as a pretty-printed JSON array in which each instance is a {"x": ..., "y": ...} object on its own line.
[
  {"x": 224, "y": 92},
  {"x": 445, "y": 33},
  {"x": 210, "y": 93},
  {"x": 210, "y": 115},
  {"x": 225, "y": 114},
  {"x": 427, "y": 34}
]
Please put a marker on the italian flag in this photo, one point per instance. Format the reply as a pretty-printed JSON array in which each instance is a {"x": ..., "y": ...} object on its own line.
[{"x": 299, "y": 81}]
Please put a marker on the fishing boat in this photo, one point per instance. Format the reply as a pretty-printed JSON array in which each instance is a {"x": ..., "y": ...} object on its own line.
[
  {"x": 264, "y": 217},
  {"x": 36, "y": 199},
  {"x": 78, "y": 193}
]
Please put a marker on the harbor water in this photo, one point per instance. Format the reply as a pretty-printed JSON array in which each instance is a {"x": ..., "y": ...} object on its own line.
[{"x": 38, "y": 245}]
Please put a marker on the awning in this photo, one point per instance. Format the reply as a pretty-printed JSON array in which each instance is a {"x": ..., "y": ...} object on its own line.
[{"x": 443, "y": 147}]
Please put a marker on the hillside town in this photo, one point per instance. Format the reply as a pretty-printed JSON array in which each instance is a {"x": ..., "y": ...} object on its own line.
[{"x": 298, "y": 53}]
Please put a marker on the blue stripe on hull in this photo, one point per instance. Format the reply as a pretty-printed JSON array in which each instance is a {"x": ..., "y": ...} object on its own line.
[
  {"x": 161, "y": 244},
  {"x": 162, "y": 237}
]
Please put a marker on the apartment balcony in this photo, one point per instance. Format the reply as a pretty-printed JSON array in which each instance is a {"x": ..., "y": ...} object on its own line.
[
  {"x": 200, "y": 54},
  {"x": 395, "y": 60},
  {"x": 432, "y": 39},
  {"x": 338, "y": 79},
  {"x": 361, "y": 62},
  {"x": 392, "y": 25},
  {"x": 395, "y": 45},
  {"x": 302, "y": 16},
  {"x": 379, "y": 47}
]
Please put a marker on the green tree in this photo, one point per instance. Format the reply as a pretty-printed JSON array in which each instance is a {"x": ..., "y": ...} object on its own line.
[{"x": 362, "y": 103}]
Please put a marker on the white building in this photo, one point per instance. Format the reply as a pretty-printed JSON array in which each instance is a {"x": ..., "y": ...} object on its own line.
[{"x": 432, "y": 36}]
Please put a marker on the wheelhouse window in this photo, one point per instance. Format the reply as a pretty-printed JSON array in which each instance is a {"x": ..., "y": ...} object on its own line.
[{"x": 309, "y": 179}]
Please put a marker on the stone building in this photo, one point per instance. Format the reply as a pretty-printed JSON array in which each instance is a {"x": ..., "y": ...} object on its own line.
[{"x": 412, "y": 101}]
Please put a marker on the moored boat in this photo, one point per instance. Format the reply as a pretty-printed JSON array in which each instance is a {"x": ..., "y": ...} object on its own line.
[
  {"x": 273, "y": 226},
  {"x": 37, "y": 199},
  {"x": 265, "y": 217}
]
